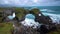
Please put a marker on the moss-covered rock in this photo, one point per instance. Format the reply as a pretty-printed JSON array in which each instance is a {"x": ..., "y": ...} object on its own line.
[
  {"x": 34, "y": 11},
  {"x": 21, "y": 12}
]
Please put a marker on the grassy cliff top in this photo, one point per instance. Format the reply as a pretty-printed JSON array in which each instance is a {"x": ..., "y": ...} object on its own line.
[{"x": 5, "y": 28}]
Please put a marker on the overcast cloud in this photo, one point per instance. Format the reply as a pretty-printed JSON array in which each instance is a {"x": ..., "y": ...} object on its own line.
[{"x": 30, "y": 2}]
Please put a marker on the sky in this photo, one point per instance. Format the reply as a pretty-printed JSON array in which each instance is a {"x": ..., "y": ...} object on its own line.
[{"x": 30, "y": 2}]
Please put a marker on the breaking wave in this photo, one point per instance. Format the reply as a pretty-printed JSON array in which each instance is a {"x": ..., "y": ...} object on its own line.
[
  {"x": 55, "y": 17},
  {"x": 46, "y": 10}
]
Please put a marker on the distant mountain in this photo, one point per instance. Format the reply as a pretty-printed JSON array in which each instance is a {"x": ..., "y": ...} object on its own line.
[{"x": 6, "y": 5}]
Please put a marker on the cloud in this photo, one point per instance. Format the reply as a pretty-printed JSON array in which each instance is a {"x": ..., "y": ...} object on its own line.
[{"x": 31, "y": 2}]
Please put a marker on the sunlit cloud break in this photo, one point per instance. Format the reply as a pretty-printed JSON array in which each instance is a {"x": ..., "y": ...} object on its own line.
[{"x": 30, "y": 2}]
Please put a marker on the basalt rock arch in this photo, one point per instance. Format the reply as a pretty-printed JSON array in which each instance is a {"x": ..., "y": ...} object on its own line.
[{"x": 41, "y": 19}]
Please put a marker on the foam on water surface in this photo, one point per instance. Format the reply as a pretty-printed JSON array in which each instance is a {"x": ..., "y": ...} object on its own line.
[
  {"x": 11, "y": 16},
  {"x": 30, "y": 22},
  {"x": 55, "y": 17}
]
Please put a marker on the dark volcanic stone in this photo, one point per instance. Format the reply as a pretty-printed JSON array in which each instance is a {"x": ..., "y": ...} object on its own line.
[{"x": 25, "y": 30}]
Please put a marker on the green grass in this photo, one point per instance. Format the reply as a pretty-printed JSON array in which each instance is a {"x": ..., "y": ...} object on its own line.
[
  {"x": 55, "y": 32},
  {"x": 5, "y": 28}
]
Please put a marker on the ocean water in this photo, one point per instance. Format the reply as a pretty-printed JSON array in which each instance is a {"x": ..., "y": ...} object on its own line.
[
  {"x": 12, "y": 16},
  {"x": 52, "y": 11},
  {"x": 30, "y": 23}
]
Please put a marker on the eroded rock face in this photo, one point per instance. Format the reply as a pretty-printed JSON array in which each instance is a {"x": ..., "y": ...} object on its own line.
[
  {"x": 6, "y": 13},
  {"x": 43, "y": 29},
  {"x": 25, "y": 30},
  {"x": 39, "y": 17},
  {"x": 43, "y": 19}
]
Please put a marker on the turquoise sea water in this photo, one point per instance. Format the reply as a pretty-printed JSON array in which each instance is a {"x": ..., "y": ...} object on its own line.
[
  {"x": 30, "y": 16},
  {"x": 52, "y": 11},
  {"x": 48, "y": 9}
]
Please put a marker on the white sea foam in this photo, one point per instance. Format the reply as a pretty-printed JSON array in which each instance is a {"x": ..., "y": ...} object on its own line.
[
  {"x": 43, "y": 9},
  {"x": 30, "y": 23},
  {"x": 55, "y": 17},
  {"x": 46, "y": 10},
  {"x": 12, "y": 16}
]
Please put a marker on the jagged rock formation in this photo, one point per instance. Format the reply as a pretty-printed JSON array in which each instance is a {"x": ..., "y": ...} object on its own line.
[
  {"x": 25, "y": 30},
  {"x": 40, "y": 17},
  {"x": 20, "y": 13}
]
